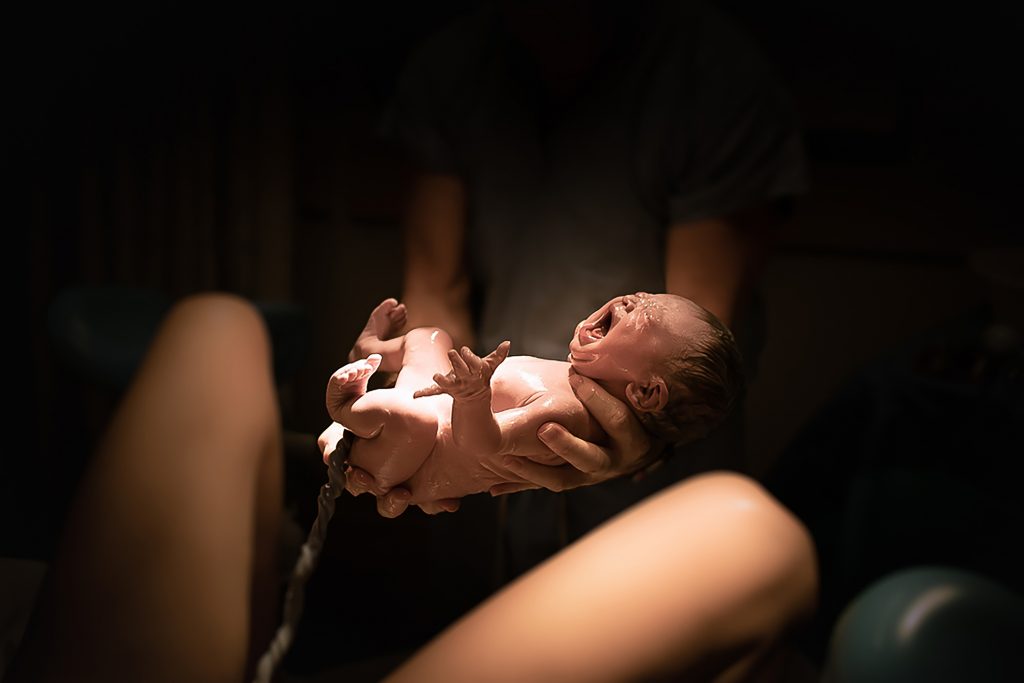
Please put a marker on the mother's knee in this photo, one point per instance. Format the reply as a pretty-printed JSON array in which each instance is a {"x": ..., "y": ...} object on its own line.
[
  {"x": 219, "y": 323},
  {"x": 215, "y": 349}
]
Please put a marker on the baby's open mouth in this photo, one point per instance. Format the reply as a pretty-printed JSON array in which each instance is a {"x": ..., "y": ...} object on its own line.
[{"x": 592, "y": 332}]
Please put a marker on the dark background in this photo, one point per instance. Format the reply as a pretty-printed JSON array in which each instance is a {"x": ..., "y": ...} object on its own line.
[{"x": 179, "y": 148}]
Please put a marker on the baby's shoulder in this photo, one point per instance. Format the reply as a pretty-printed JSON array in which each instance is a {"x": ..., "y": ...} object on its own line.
[{"x": 525, "y": 380}]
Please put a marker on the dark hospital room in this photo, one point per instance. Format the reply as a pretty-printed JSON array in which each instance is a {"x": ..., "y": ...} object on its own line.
[{"x": 674, "y": 340}]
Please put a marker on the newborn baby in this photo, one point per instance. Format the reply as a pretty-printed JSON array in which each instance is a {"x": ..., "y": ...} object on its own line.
[{"x": 444, "y": 429}]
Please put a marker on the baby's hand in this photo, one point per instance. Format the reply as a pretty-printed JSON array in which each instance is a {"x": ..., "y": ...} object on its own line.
[{"x": 470, "y": 378}]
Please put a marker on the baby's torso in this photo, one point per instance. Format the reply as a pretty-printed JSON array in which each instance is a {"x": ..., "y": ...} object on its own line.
[
  {"x": 520, "y": 386},
  {"x": 523, "y": 379}
]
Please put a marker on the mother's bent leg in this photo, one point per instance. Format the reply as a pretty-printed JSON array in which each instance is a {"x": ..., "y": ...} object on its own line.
[{"x": 174, "y": 528}]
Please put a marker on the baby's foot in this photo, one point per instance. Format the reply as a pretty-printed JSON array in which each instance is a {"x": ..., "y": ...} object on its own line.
[
  {"x": 386, "y": 322},
  {"x": 349, "y": 382}
]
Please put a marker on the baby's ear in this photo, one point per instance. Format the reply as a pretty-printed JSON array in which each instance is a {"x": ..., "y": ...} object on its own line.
[{"x": 649, "y": 397}]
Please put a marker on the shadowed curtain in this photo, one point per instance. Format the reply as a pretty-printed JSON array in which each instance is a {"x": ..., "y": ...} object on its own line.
[{"x": 152, "y": 161}]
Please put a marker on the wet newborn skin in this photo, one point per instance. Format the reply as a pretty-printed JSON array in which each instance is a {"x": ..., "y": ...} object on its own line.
[{"x": 452, "y": 418}]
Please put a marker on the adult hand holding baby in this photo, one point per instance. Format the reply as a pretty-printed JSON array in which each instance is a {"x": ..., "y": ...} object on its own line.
[
  {"x": 586, "y": 463},
  {"x": 390, "y": 502}
]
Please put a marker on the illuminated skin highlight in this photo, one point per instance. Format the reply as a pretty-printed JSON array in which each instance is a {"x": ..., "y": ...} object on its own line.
[{"x": 453, "y": 420}]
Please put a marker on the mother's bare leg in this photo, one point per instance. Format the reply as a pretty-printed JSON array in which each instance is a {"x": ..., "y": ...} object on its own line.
[
  {"x": 174, "y": 529},
  {"x": 700, "y": 582}
]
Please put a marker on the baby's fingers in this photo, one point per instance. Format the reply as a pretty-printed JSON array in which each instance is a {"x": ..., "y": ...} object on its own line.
[
  {"x": 446, "y": 381},
  {"x": 434, "y": 390},
  {"x": 472, "y": 360},
  {"x": 498, "y": 355},
  {"x": 458, "y": 364}
]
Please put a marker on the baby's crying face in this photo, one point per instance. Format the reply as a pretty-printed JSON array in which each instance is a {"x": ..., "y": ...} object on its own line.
[{"x": 626, "y": 339}]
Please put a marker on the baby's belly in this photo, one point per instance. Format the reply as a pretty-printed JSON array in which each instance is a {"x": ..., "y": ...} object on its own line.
[{"x": 451, "y": 472}]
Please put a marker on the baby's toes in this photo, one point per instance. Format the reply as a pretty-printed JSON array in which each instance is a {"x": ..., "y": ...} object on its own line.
[
  {"x": 386, "y": 306},
  {"x": 366, "y": 367},
  {"x": 383, "y": 311}
]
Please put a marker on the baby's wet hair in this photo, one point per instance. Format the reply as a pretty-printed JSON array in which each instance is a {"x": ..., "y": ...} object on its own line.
[{"x": 705, "y": 382}]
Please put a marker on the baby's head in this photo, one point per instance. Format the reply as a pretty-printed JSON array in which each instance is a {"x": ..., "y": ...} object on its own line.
[{"x": 673, "y": 362}]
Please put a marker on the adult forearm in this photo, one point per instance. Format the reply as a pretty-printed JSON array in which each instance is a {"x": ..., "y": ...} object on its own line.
[
  {"x": 708, "y": 262},
  {"x": 444, "y": 307},
  {"x": 436, "y": 284},
  {"x": 715, "y": 261}
]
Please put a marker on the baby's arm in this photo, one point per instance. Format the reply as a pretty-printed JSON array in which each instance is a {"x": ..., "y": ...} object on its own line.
[{"x": 474, "y": 426}]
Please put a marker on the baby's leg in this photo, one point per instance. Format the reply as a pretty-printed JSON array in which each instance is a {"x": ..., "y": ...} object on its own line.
[
  {"x": 398, "y": 431},
  {"x": 391, "y": 418},
  {"x": 348, "y": 403},
  {"x": 381, "y": 336}
]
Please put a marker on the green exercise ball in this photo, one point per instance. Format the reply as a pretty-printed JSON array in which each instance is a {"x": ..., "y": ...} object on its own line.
[{"x": 929, "y": 624}]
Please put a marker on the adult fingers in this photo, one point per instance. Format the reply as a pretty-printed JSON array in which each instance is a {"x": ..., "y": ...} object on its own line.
[
  {"x": 617, "y": 420},
  {"x": 434, "y": 507},
  {"x": 449, "y": 504},
  {"x": 583, "y": 455},
  {"x": 505, "y": 473},
  {"x": 328, "y": 439},
  {"x": 560, "y": 478},
  {"x": 393, "y": 503},
  {"x": 358, "y": 481},
  {"x": 429, "y": 507},
  {"x": 511, "y": 487}
]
